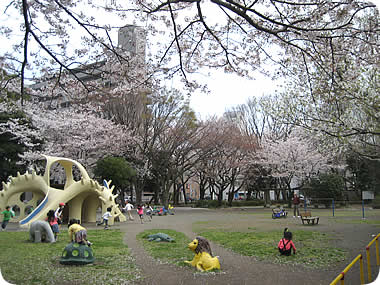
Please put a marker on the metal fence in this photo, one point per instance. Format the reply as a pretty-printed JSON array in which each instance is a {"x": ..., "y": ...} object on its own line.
[{"x": 359, "y": 258}]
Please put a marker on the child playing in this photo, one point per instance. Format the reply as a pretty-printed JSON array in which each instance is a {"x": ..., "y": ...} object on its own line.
[
  {"x": 105, "y": 218},
  {"x": 140, "y": 212},
  {"x": 149, "y": 211},
  {"x": 286, "y": 244},
  {"x": 128, "y": 208},
  {"x": 8, "y": 214},
  {"x": 170, "y": 210},
  {"x": 77, "y": 233},
  {"x": 58, "y": 212},
  {"x": 53, "y": 222}
]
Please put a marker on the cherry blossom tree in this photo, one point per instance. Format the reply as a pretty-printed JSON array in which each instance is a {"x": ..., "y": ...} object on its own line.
[
  {"x": 81, "y": 136},
  {"x": 18, "y": 134},
  {"x": 237, "y": 36},
  {"x": 295, "y": 159},
  {"x": 62, "y": 122},
  {"x": 225, "y": 167},
  {"x": 338, "y": 98}
]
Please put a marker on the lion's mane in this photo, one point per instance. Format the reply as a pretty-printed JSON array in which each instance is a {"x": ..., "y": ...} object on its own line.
[{"x": 203, "y": 246}]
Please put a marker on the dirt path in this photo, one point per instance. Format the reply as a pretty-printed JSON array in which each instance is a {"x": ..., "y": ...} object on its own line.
[{"x": 237, "y": 269}]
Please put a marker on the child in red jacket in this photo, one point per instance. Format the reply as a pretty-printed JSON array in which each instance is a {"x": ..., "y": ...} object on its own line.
[
  {"x": 53, "y": 222},
  {"x": 285, "y": 245}
]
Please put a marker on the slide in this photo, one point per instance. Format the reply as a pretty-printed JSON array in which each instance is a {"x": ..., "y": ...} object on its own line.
[{"x": 82, "y": 197}]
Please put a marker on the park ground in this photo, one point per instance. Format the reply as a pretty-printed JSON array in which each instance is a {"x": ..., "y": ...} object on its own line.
[{"x": 347, "y": 230}]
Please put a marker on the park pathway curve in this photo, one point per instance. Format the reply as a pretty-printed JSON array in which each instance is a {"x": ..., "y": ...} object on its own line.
[{"x": 236, "y": 269}]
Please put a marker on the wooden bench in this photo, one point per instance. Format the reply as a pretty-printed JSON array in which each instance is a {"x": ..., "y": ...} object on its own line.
[{"x": 309, "y": 219}]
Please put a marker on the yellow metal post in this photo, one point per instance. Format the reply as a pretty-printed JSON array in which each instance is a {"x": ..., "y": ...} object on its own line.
[
  {"x": 340, "y": 277},
  {"x": 368, "y": 264},
  {"x": 377, "y": 251},
  {"x": 336, "y": 280},
  {"x": 361, "y": 270}
]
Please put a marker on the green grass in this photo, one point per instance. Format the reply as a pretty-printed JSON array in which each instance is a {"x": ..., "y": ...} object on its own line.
[
  {"x": 24, "y": 262},
  {"x": 356, "y": 221},
  {"x": 313, "y": 249},
  {"x": 342, "y": 212},
  {"x": 167, "y": 252}
]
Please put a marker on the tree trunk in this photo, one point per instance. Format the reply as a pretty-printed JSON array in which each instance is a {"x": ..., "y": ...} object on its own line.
[
  {"x": 165, "y": 195},
  {"x": 230, "y": 198},
  {"x": 249, "y": 195},
  {"x": 266, "y": 196},
  {"x": 202, "y": 191},
  {"x": 139, "y": 189},
  {"x": 184, "y": 194}
]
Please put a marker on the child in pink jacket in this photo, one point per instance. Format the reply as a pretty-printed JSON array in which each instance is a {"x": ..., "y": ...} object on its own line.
[{"x": 285, "y": 245}]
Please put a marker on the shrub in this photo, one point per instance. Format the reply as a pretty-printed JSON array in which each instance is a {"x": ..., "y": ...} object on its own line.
[
  {"x": 209, "y": 204},
  {"x": 376, "y": 202},
  {"x": 243, "y": 203},
  {"x": 326, "y": 187},
  {"x": 240, "y": 203}
]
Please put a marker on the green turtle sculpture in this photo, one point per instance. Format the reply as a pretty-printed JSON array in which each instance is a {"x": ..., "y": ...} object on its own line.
[
  {"x": 160, "y": 237},
  {"x": 77, "y": 254}
]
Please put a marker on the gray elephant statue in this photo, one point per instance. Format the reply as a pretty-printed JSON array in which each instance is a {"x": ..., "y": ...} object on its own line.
[{"x": 40, "y": 231}]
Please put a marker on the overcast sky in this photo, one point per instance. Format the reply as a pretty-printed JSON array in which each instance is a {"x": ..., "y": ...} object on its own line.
[{"x": 228, "y": 90}]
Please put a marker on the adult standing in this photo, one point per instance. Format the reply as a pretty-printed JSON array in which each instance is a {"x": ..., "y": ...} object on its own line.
[
  {"x": 296, "y": 205},
  {"x": 128, "y": 207}
]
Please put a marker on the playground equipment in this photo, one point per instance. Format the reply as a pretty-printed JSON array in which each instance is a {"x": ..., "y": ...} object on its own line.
[
  {"x": 82, "y": 198},
  {"x": 279, "y": 213},
  {"x": 160, "y": 237},
  {"x": 41, "y": 231},
  {"x": 77, "y": 254},
  {"x": 203, "y": 259},
  {"x": 359, "y": 258}
]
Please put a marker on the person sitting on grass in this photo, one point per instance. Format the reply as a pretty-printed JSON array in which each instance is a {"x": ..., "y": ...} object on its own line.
[
  {"x": 77, "y": 233},
  {"x": 285, "y": 245}
]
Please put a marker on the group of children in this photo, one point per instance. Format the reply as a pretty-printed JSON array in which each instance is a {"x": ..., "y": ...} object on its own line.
[
  {"x": 128, "y": 208},
  {"x": 140, "y": 211},
  {"x": 147, "y": 208},
  {"x": 54, "y": 218},
  {"x": 78, "y": 233}
]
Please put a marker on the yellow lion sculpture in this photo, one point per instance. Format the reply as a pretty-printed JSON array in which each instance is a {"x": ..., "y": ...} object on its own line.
[{"x": 203, "y": 259}]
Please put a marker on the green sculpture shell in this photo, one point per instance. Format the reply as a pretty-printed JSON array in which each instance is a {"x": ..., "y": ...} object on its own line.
[{"x": 77, "y": 254}]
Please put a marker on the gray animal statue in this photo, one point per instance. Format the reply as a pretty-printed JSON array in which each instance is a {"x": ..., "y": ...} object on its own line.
[
  {"x": 160, "y": 237},
  {"x": 41, "y": 231}
]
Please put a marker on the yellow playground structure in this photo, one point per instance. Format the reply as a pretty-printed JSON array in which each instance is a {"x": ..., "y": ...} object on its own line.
[{"x": 82, "y": 198}]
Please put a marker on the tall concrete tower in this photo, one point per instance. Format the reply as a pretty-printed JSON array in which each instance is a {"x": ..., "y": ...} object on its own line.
[{"x": 132, "y": 40}]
